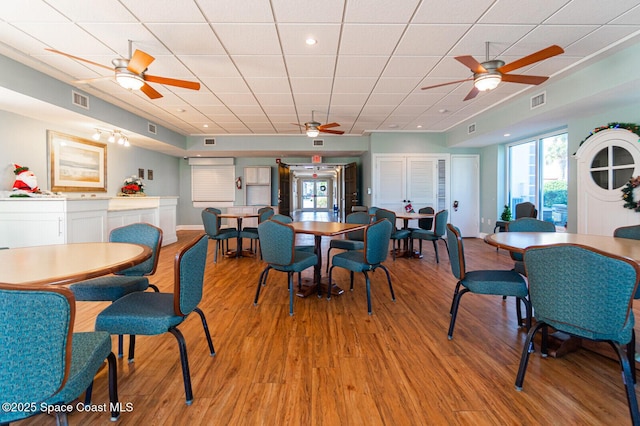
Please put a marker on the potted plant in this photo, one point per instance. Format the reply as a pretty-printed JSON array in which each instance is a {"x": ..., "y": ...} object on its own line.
[{"x": 506, "y": 214}]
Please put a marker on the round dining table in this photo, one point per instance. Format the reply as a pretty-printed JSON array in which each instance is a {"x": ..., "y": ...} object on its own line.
[{"x": 68, "y": 263}]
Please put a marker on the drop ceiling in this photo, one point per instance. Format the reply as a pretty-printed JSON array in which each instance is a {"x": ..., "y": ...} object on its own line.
[{"x": 258, "y": 76}]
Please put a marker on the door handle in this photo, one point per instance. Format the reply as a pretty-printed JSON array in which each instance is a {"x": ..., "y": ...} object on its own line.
[{"x": 455, "y": 205}]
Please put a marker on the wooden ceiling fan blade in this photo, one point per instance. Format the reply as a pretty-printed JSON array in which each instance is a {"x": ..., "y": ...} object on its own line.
[
  {"x": 540, "y": 55},
  {"x": 328, "y": 125},
  {"x": 79, "y": 59},
  {"x": 472, "y": 94},
  {"x": 172, "y": 82},
  {"x": 91, "y": 80},
  {"x": 335, "y": 132},
  {"x": 524, "y": 79},
  {"x": 446, "y": 84},
  {"x": 471, "y": 63},
  {"x": 150, "y": 92},
  {"x": 139, "y": 62}
]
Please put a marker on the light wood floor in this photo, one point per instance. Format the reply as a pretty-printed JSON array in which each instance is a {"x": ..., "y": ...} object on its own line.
[{"x": 332, "y": 364}]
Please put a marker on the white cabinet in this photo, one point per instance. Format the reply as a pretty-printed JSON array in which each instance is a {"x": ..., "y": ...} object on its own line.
[
  {"x": 158, "y": 211},
  {"x": 28, "y": 222},
  {"x": 257, "y": 186}
]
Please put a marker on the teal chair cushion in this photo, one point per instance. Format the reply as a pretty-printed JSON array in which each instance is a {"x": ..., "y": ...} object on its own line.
[
  {"x": 109, "y": 287},
  {"x": 301, "y": 261},
  {"x": 346, "y": 244},
  {"x": 352, "y": 261},
  {"x": 506, "y": 283}
]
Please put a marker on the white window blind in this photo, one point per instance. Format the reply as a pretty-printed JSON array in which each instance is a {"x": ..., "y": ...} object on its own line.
[{"x": 213, "y": 183}]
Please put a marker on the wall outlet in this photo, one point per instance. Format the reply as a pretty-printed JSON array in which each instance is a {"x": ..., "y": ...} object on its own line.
[
  {"x": 489, "y": 221},
  {"x": 368, "y": 191},
  {"x": 482, "y": 220}
]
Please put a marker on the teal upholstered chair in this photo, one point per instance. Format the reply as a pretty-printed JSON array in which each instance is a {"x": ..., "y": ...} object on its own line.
[
  {"x": 277, "y": 242},
  {"x": 427, "y": 222},
  {"x": 43, "y": 360},
  {"x": 630, "y": 232},
  {"x": 288, "y": 219},
  {"x": 586, "y": 293},
  {"x": 370, "y": 258},
  {"x": 396, "y": 234},
  {"x": 251, "y": 232},
  {"x": 527, "y": 224},
  {"x": 438, "y": 232},
  {"x": 112, "y": 287},
  {"x": 354, "y": 240},
  {"x": 148, "y": 313},
  {"x": 211, "y": 221},
  {"x": 491, "y": 282}
]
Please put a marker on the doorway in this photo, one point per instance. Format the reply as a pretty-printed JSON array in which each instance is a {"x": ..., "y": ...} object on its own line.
[{"x": 315, "y": 194}]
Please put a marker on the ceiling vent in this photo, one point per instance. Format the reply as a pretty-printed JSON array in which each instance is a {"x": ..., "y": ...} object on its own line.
[
  {"x": 209, "y": 141},
  {"x": 538, "y": 100},
  {"x": 79, "y": 99},
  {"x": 471, "y": 128},
  {"x": 152, "y": 128},
  {"x": 318, "y": 142}
]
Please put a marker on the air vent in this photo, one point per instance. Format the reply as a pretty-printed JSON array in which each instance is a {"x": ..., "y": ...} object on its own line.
[
  {"x": 79, "y": 100},
  {"x": 210, "y": 141},
  {"x": 152, "y": 128},
  {"x": 538, "y": 100},
  {"x": 318, "y": 142},
  {"x": 471, "y": 128}
]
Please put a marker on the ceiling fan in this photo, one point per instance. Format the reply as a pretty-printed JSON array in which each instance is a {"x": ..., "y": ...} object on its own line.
[
  {"x": 131, "y": 73},
  {"x": 488, "y": 74},
  {"x": 313, "y": 128}
]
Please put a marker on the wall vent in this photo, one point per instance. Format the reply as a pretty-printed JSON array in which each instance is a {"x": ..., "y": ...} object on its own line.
[
  {"x": 152, "y": 128},
  {"x": 318, "y": 142},
  {"x": 471, "y": 128},
  {"x": 79, "y": 99},
  {"x": 209, "y": 141},
  {"x": 538, "y": 100}
]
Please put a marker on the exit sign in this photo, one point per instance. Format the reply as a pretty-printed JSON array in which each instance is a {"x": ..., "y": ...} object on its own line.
[{"x": 316, "y": 159}]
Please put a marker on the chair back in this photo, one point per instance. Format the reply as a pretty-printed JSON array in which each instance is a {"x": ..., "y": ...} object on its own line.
[
  {"x": 140, "y": 233},
  {"x": 265, "y": 213},
  {"x": 582, "y": 291},
  {"x": 386, "y": 214},
  {"x": 361, "y": 218},
  {"x": 426, "y": 223},
  {"x": 277, "y": 242},
  {"x": 441, "y": 219},
  {"x": 526, "y": 209},
  {"x": 189, "y": 269},
  {"x": 282, "y": 218},
  {"x": 218, "y": 212},
  {"x": 456, "y": 251},
  {"x": 376, "y": 242},
  {"x": 211, "y": 222},
  {"x": 373, "y": 210},
  {"x": 528, "y": 224},
  {"x": 36, "y": 328},
  {"x": 630, "y": 232}
]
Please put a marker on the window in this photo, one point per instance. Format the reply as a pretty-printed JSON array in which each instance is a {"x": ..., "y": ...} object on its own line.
[{"x": 538, "y": 174}]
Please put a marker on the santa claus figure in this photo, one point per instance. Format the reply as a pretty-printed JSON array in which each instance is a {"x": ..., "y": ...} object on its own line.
[{"x": 25, "y": 179}]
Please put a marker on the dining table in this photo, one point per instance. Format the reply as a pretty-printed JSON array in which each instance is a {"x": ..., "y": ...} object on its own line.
[
  {"x": 60, "y": 264},
  {"x": 406, "y": 217},
  {"x": 239, "y": 252},
  {"x": 319, "y": 230},
  {"x": 561, "y": 343}
]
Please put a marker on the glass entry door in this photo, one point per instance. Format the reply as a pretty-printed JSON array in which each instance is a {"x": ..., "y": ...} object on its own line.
[{"x": 315, "y": 194}]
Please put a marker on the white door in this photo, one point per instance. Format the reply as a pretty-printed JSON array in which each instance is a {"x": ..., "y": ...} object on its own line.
[
  {"x": 390, "y": 183},
  {"x": 464, "y": 208}
]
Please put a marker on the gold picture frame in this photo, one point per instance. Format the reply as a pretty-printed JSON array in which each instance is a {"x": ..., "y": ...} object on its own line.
[{"x": 76, "y": 164}]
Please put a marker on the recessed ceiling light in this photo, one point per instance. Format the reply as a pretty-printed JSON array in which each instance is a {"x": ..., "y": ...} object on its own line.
[
  {"x": 311, "y": 41},
  {"x": 393, "y": 126},
  {"x": 506, "y": 135},
  {"x": 206, "y": 125},
  {"x": 180, "y": 110},
  {"x": 419, "y": 126},
  {"x": 443, "y": 110}
]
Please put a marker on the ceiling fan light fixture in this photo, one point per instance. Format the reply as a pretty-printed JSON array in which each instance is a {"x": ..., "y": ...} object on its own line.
[
  {"x": 129, "y": 80},
  {"x": 312, "y": 132},
  {"x": 489, "y": 81}
]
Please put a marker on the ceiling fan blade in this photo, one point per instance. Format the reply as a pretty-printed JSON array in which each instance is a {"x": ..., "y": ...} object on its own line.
[
  {"x": 471, "y": 63},
  {"x": 328, "y": 125},
  {"x": 540, "y": 55},
  {"x": 472, "y": 94},
  {"x": 335, "y": 132},
  {"x": 91, "y": 80},
  {"x": 139, "y": 62},
  {"x": 172, "y": 82},
  {"x": 150, "y": 91},
  {"x": 446, "y": 84},
  {"x": 79, "y": 59},
  {"x": 524, "y": 79}
]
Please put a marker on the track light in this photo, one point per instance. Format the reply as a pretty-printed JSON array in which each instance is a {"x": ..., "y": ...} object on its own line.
[
  {"x": 96, "y": 136},
  {"x": 112, "y": 138}
]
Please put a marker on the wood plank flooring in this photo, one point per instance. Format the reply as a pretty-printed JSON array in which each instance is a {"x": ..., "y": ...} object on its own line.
[{"x": 332, "y": 364}]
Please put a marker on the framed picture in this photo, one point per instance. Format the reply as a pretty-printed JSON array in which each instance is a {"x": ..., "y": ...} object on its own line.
[{"x": 76, "y": 164}]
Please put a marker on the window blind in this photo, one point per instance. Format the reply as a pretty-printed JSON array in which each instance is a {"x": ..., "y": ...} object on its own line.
[{"x": 213, "y": 183}]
